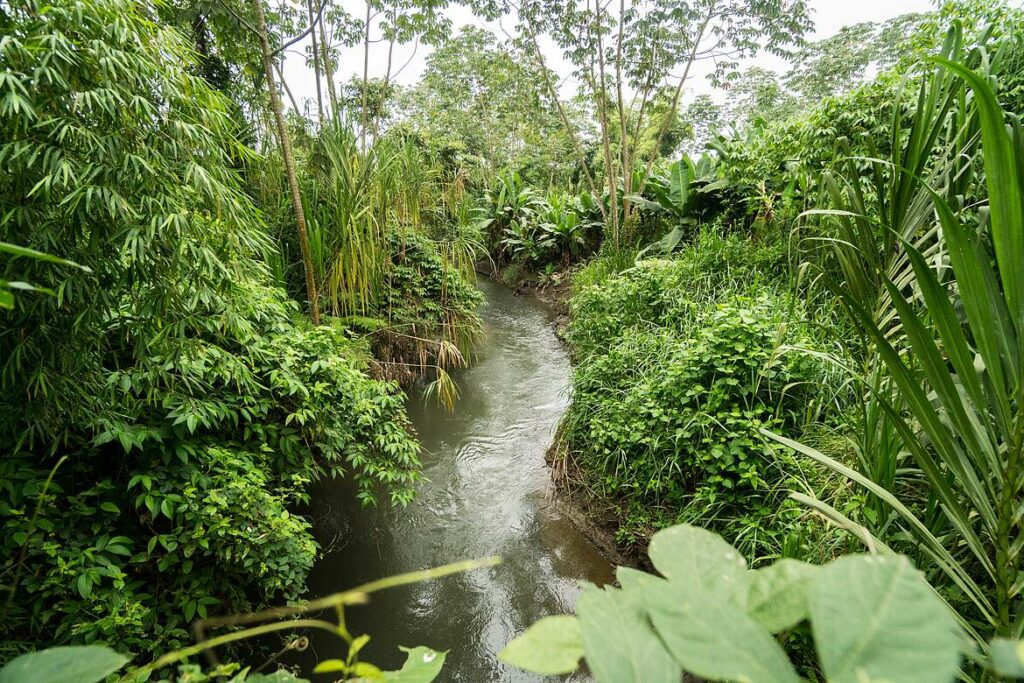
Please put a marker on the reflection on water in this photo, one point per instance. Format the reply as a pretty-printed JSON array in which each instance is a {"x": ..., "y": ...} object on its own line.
[{"x": 485, "y": 494}]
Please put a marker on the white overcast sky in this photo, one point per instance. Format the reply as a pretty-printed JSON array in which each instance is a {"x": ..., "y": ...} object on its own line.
[{"x": 829, "y": 16}]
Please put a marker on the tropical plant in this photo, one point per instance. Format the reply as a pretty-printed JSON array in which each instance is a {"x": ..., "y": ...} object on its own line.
[
  {"x": 7, "y": 287},
  {"x": 164, "y": 412},
  {"x": 952, "y": 351},
  {"x": 873, "y": 618},
  {"x": 95, "y": 663},
  {"x": 680, "y": 364},
  {"x": 676, "y": 195}
]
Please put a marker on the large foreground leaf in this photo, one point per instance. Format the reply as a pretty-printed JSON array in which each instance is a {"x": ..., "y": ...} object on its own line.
[
  {"x": 551, "y": 646},
  {"x": 714, "y": 638},
  {"x": 422, "y": 665},
  {"x": 1008, "y": 657},
  {"x": 690, "y": 554},
  {"x": 777, "y": 597},
  {"x": 876, "y": 619},
  {"x": 619, "y": 643},
  {"x": 68, "y": 664}
]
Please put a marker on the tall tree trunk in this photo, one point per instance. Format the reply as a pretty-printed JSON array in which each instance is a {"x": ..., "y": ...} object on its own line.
[
  {"x": 289, "y": 162},
  {"x": 316, "y": 62},
  {"x": 563, "y": 115},
  {"x": 287, "y": 90},
  {"x": 366, "y": 80},
  {"x": 627, "y": 162},
  {"x": 610, "y": 171},
  {"x": 387, "y": 82},
  {"x": 328, "y": 69},
  {"x": 675, "y": 101}
]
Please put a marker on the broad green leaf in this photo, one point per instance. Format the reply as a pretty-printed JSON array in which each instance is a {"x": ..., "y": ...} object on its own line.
[
  {"x": 330, "y": 666},
  {"x": 680, "y": 177},
  {"x": 694, "y": 555},
  {"x": 875, "y": 618},
  {"x": 551, "y": 646},
  {"x": 618, "y": 641},
  {"x": 714, "y": 638},
  {"x": 634, "y": 581},
  {"x": 777, "y": 596},
  {"x": 1008, "y": 657},
  {"x": 367, "y": 671},
  {"x": 66, "y": 664},
  {"x": 422, "y": 665}
]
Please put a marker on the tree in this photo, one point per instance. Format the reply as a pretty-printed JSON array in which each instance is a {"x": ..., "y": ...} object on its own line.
[
  {"x": 704, "y": 117},
  {"x": 289, "y": 161},
  {"x": 483, "y": 100},
  {"x": 399, "y": 22},
  {"x": 627, "y": 58},
  {"x": 757, "y": 94}
]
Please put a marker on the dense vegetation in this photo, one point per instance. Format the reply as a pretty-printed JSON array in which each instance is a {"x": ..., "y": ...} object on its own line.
[{"x": 806, "y": 337}]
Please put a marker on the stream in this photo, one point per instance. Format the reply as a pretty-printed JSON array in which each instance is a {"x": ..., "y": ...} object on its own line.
[{"x": 486, "y": 491}]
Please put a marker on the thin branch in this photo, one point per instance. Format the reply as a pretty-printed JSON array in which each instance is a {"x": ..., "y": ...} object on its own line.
[
  {"x": 675, "y": 102},
  {"x": 284, "y": 84},
  {"x": 309, "y": 29}
]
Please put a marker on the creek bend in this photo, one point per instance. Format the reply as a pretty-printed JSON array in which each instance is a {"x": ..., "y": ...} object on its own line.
[{"x": 486, "y": 491}]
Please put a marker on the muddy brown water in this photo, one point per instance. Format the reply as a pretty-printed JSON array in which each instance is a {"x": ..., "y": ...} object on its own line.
[{"x": 486, "y": 491}]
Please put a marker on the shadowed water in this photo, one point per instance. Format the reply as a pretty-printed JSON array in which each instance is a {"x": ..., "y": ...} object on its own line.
[{"x": 486, "y": 492}]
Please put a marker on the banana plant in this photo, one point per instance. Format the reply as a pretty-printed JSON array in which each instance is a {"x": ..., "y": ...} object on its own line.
[
  {"x": 564, "y": 220},
  {"x": 675, "y": 195}
]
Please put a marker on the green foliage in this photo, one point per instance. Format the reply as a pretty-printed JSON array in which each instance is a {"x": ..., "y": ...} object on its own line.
[
  {"x": 483, "y": 103},
  {"x": 532, "y": 229},
  {"x": 773, "y": 166},
  {"x": 431, "y": 310},
  {"x": 554, "y": 646},
  {"x": 82, "y": 664},
  {"x": 681, "y": 365},
  {"x": 664, "y": 293},
  {"x": 88, "y": 664},
  {"x": 950, "y": 345},
  {"x": 873, "y": 618},
  {"x": 164, "y": 412},
  {"x": 681, "y": 196},
  {"x": 393, "y": 240}
]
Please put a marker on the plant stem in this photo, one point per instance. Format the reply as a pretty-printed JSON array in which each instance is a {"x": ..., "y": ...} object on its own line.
[{"x": 289, "y": 162}]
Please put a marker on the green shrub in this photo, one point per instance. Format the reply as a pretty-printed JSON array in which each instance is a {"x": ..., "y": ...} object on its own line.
[
  {"x": 184, "y": 501},
  {"x": 674, "y": 420},
  {"x": 666, "y": 292},
  {"x": 162, "y": 414},
  {"x": 680, "y": 363},
  {"x": 430, "y": 308},
  {"x": 608, "y": 263}
]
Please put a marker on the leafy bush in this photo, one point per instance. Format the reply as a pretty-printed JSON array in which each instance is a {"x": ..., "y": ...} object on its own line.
[
  {"x": 675, "y": 420},
  {"x": 431, "y": 309},
  {"x": 94, "y": 663},
  {"x": 185, "y": 503},
  {"x": 535, "y": 229},
  {"x": 666, "y": 293},
  {"x": 163, "y": 413}
]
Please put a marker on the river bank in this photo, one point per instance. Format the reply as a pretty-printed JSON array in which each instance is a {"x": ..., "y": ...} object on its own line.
[{"x": 487, "y": 490}]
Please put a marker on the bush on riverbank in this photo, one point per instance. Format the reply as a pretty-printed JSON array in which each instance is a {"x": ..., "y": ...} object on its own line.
[
  {"x": 680, "y": 365},
  {"x": 162, "y": 407}
]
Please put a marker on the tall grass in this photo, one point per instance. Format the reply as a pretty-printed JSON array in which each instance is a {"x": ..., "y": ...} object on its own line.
[{"x": 947, "y": 324}]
